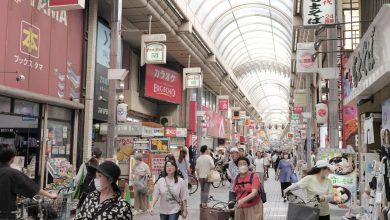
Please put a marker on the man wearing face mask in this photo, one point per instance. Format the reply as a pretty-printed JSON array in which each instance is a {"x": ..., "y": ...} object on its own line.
[
  {"x": 233, "y": 171},
  {"x": 106, "y": 201}
]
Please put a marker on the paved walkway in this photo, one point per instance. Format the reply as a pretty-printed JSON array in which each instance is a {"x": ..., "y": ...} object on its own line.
[{"x": 274, "y": 208}]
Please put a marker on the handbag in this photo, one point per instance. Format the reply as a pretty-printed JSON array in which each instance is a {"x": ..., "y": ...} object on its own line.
[
  {"x": 302, "y": 212},
  {"x": 293, "y": 177},
  {"x": 180, "y": 203},
  {"x": 263, "y": 195},
  {"x": 141, "y": 185},
  {"x": 213, "y": 176}
]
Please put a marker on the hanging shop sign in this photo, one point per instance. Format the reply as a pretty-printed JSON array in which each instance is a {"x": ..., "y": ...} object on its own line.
[
  {"x": 193, "y": 78},
  {"x": 153, "y": 50},
  {"x": 305, "y": 64},
  {"x": 242, "y": 115},
  {"x": 121, "y": 112},
  {"x": 158, "y": 132},
  {"x": 300, "y": 98},
  {"x": 43, "y": 45},
  {"x": 236, "y": 113},
  {"x": 223, "y": 102},
  {"x": 155, "y": 53},
  {"x": 321, "y": 113},
  {"x": 368, "y": 68},
  {"x": 318, "y": 12},
  {"x": 295, "y": 116},
  {"x": 159, "y": 144},
  {"x": 162, "y": 84},
  {"x": 290, "y": 135},
  {"x": 175, "y": 132},
  {"x": 66, "y": 4},
  {"x": 129, "y": 129}
]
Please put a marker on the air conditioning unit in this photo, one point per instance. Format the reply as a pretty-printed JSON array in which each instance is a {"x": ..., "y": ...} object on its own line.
[{"x": 166, "y": 121}]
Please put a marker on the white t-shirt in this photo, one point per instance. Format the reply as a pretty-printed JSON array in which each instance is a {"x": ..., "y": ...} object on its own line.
[
  {"x": 266, "y": 160},
  {"x": 204, "y": 164},
  {"x": 259, "y": 163},
  {"x": 169, "y": 202}
]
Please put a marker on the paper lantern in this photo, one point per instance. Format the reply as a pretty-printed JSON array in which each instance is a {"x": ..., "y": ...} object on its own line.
[
  {"x": 321, "y": 113},
  {"x": 121, "y": 112}
]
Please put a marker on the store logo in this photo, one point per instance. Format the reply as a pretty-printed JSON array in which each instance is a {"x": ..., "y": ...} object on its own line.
[{"x": 29, "y": 39}]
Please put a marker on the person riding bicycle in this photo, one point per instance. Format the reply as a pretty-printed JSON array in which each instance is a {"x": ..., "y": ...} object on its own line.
[
  {"x": 317, "y": 183},
  {"x": 13, "y": 183}
]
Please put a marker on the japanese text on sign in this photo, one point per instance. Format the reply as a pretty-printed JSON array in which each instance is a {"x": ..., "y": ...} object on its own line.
[{"x": 318, "y": 12}]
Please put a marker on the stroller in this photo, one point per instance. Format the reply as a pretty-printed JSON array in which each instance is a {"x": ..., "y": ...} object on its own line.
[{"x": 299, "y": 209}]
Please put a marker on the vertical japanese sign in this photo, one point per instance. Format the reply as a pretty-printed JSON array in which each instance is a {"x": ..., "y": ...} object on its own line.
[
  {"x": 42, "y": 44},
  {"x": 223, "y": 103},
  {"x": 100, "y": 109},
  {"x": 318, "y": 12}
]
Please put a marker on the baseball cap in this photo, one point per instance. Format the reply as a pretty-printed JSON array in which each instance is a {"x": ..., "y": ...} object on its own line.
[{"x": 322, "y": 164}]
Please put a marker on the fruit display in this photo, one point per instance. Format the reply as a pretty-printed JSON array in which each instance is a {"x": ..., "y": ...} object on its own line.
[
  {"x": 341, "y": 195},
  {"x": 61, "y": 171}
]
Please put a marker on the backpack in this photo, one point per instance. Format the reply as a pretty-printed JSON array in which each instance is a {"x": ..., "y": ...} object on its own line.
[
  {"x": 260, "y": 191},
  {"x": 88, "y": 185}
]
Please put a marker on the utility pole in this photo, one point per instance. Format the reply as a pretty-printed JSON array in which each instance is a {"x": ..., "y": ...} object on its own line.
[
  {"x": 333, "y": 101},
  {"x": 309, "y": 121},
  {"x": 115, "y": 63}
]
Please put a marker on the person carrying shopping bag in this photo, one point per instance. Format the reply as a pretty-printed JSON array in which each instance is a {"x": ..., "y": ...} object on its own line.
[
  {"x": 284, "y": 172},
  {"x": 247, "y": 187},
  {"x": 317, "y": 183},
  {"x": 141, "y": 173},
  {"x": 173, "y": 193}
]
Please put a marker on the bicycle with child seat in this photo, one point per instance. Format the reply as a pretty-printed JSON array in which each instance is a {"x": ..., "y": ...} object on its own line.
[
  {"x": 193, "y": 183},
  {"x": 41, "y": 208},
  {"x": 300, "y": 209},
  {"x": 221, "y": 168}
]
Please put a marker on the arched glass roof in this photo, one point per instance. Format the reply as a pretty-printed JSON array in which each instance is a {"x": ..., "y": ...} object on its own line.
[{"x": 254, "y": 38}]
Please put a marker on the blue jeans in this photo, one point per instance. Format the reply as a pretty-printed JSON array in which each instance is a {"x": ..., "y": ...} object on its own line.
[{"x": 170, "y": 217}]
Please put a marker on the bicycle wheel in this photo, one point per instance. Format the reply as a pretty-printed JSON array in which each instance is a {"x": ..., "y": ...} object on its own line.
[
  {"x": 216, "y": 184},
  {"x": 223, "y": 180},
  {"x": 193, "y": 184}
]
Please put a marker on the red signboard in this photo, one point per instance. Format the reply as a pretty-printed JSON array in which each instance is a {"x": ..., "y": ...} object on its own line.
[
  {"x": 297, "y": 110},
  {"x": 223, "y": 104},
  {"x": 66, "y": 4},
  {"x": 290, "y": 135},
  {"x": 43, "y": 45},
  {"x": 163, "y": 84},
  {"x": 216, "y": 124},
  {"x": 175, "y": 132}
]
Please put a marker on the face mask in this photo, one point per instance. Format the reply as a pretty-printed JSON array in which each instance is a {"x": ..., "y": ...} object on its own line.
[
  {"x": 243, "y": 169},
  {"x": 98, "y": 185}
]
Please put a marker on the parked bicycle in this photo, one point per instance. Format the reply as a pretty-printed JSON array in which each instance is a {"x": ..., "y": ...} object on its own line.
[
  {"x": 221, "y": 168},
  {"x": 298, "y": 208},
  {"x": 193, "y": 183},
  {"x": 223, "y": 210}
]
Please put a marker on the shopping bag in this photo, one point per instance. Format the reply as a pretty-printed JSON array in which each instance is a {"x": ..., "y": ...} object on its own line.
[
  {"x": 302, "y": 212},
  {"x": 293, "y": 177},
  {"x": 213, "y": 176},
  {"x": 215, "y": 213}
]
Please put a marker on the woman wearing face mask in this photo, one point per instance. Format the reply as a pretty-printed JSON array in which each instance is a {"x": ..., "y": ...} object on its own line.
[
  {"x": 172, "y": 192},
  {"x": 317, "y": 183},
  {"x": 105, "y": 202},
  {"x": 140, "y": 171},
  {"x": 285, "y": 169},
  {"x": 246, "y": 186}
]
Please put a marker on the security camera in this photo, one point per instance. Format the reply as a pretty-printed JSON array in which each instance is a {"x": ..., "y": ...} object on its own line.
[{"x": 20, "y": 77}]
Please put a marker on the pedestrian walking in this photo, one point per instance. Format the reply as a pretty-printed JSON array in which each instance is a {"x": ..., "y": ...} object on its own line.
[
  {"x": 233, "y": 171},
  {"x": 85, "y": 176},
  {"x": 259, "y": 166},
  {"x": 13, "y": 183},
  {"x": 267, "y": 163},
  {"x": 172, "y": 192},
  {"x": 141, "y": 173},
  {"x": 106, "y": 201},
  {"x": 285, "y": 169},
  {"x": 246, "y": 186},
  {"x": 317, "y": 183},
  {"x": 183, "y": 165},
  {"x": 204, "y": 164}
]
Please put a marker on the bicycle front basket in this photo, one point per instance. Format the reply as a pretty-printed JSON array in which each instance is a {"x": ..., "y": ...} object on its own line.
[{"x": 302, "y": 212}]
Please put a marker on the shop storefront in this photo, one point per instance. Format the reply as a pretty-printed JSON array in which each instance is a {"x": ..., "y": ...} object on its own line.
[
  {"x": 368, "y": 87},
  {"x": 42, "y": 63}
]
